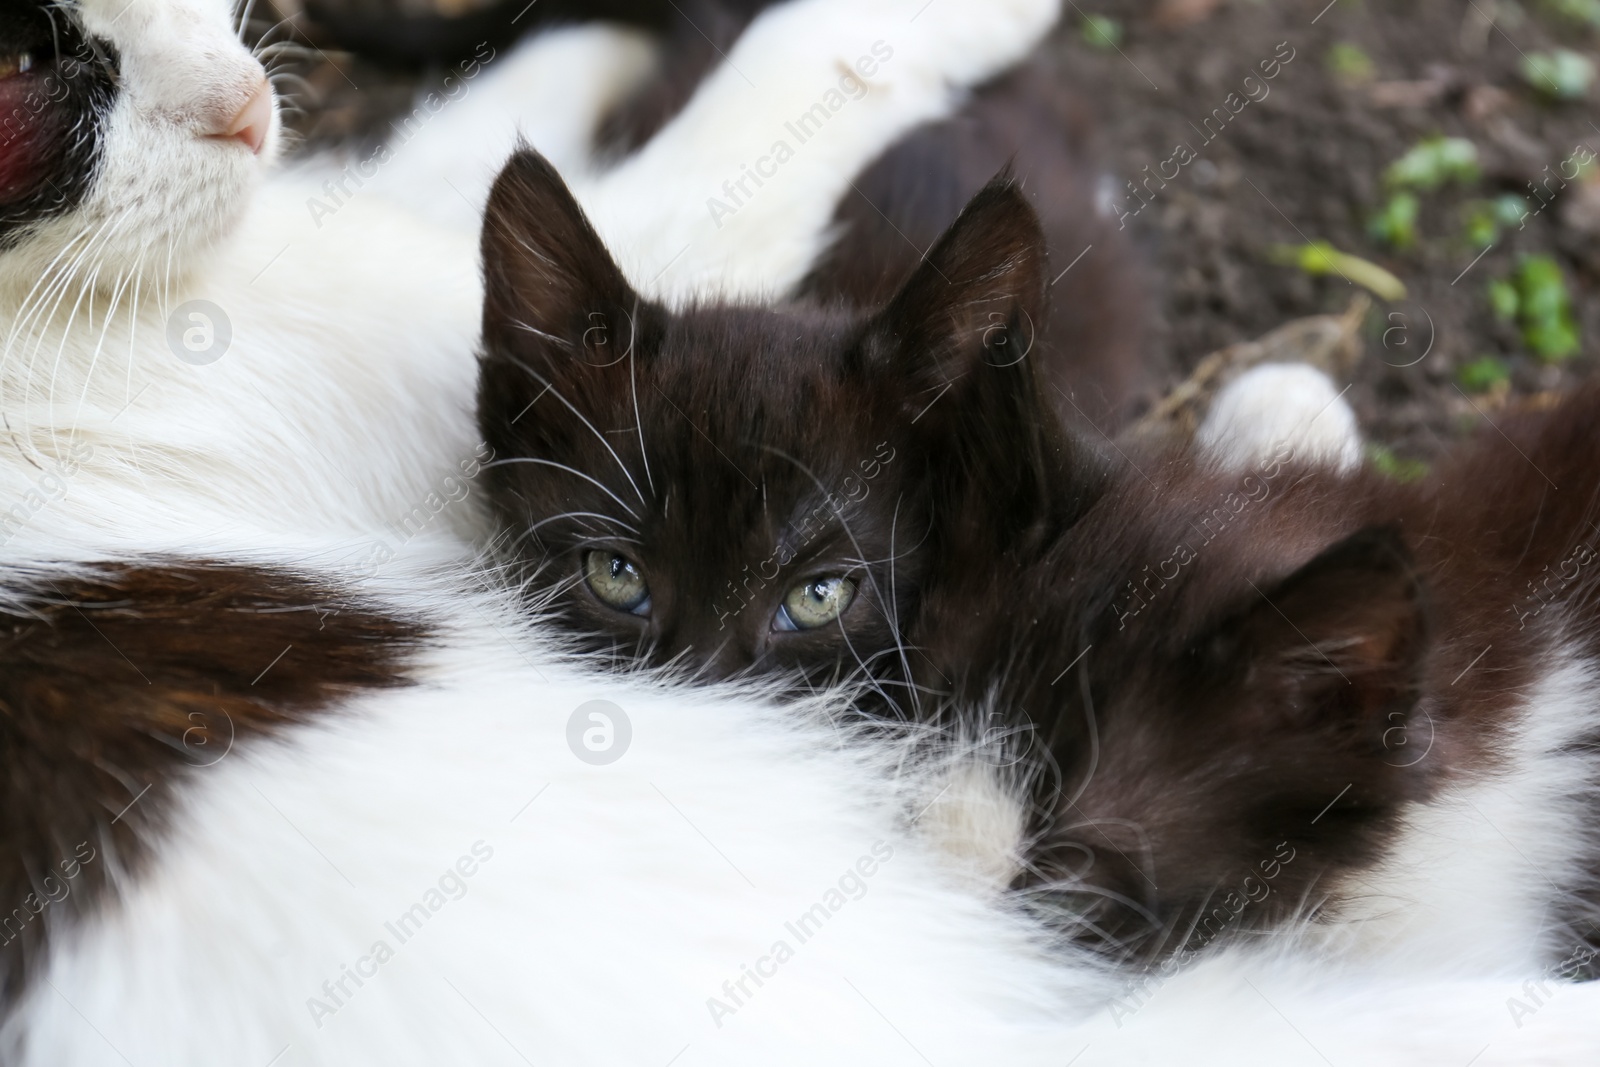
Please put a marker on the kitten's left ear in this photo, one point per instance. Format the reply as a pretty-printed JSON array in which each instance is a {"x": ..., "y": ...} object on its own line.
[
  {"x": 977, "y": 299},
  {"x": 553, "y": 296}
]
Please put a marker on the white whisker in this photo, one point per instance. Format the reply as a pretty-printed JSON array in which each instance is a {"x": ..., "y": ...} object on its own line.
[{"x": 570, "y": 470}]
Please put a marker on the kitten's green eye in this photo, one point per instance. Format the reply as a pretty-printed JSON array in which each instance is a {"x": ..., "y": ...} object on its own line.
[
  {"x": 617, "y": 581},
  {"x": 815, "y": 603}
]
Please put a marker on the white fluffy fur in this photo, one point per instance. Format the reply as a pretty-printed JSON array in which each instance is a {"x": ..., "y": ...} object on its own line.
[
  {"x": 653, "y": 208},
  {"x": 1495, "y": 854},
  {"x": 621, "y": 898},
  {"x": 1279, "y": 403},
  {"x": 347, "y": 392}
]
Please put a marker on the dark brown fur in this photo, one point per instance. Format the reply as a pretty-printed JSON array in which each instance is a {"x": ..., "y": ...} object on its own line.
[
  {"x": 1285, "y": 691},
  {"x": 116, "y": 688},
  {"x": 1090, "y": 342},
  {"x": 50, "y": 116}
]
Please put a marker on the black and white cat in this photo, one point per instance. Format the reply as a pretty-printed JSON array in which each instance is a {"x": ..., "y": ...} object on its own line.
[
  {"x": 272, "y": 798},
  {"x": 105, "y": 340},
  {"x": 319, "y": 411}
]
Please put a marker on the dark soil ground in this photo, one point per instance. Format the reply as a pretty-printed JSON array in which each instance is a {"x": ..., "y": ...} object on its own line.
[
  {"x": 1307, "y": 162},
  {"x": 1302, "y": 157}
]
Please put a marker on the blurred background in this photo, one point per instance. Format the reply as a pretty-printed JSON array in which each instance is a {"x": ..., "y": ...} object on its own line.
[{"x": 1412, "y": 201}]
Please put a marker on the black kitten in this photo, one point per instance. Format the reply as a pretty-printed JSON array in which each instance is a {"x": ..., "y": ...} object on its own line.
[
  {"x": 1223, "y": 698},
  {"x": 742, "y": 487}
]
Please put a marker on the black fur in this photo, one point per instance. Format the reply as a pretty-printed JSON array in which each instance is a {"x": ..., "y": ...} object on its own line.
[
  {"x": 734, "y": 452},
  {"x": 51, "y": 116},
  {"x": 408, "y": 41}
]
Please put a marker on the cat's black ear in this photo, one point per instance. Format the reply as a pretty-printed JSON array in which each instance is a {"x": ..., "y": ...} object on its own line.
[
  {"x": 553, "y": 296},
  {"x": 977, "y": 298},
  {"x": 1336, "y": 648}
]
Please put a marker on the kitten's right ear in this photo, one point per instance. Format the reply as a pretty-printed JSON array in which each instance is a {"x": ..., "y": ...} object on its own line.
[
  {"x": 977, "y": 298},
  {"x": 553, "y": 296},
  {"x": 1337, "y": 647}
]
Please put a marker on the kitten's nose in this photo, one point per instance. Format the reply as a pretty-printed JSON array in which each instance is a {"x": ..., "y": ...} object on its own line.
[{"x": 251, "y": 124}]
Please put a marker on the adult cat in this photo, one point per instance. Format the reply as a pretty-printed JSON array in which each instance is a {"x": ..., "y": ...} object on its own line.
[
  {"x": 261, "y": 811},
  {"x": 276, "y": 463},
  {"x": 166, "y": 235}
]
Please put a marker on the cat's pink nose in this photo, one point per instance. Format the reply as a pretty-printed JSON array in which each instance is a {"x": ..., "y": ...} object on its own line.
[{"x": 251, "y": 124}]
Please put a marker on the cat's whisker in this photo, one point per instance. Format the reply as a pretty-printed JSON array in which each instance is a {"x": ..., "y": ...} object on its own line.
[
  {"x": 1169, "y": 929},
  {"x": 61, "y": 356},
  {"x": 550, "y": 388},
  {"x": 850, "y": 645},
  {"x": 166, "y": 282},
  {"x": 1067, "y": 919},
  {"x": 265, "y": 40},
  {"x": 289, "y": 50},
  {"x": 133, "y": 322},
  {"x": 1092, "y": 723},
  {"x": 894, "y": 603},
  {"x": 54, "y": 277},
  {"x": 531, "y": 530},
  {"x": 56, "y": 296},
  {"x": 88, "y": 286},
  {"x": 46, "y": 276},
  {"x": 244, "y": 18},
  {"x": 288, "y": 101},
  {"x": 1146, "y": 850},
  {"x": 633, "y": 384},
  {"x": 563, "y": 467},
  {"x": 677, "y": 660},
  {"x": 124, "y": 283},
  {"x": 1078, "y": 887}
]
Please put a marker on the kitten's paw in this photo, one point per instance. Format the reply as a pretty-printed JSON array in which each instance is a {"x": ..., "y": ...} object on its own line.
[{"x": 1279, "y": 404}]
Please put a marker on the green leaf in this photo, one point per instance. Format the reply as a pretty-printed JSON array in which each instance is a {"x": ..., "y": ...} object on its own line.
[
  {"x": 1396, "y": 224},
  {"x": 1386, "y": 463},
  {"x": 1101, "y": 32},
  {"x": 1483, "y": 374},
  {"x": 1503, "y": 297},
  {"x": 1434, "y": 162},
  {"x": 1509, "y": 207},
  {"x": 1349, "y": 62},
  {"x": 1562, "y": 74},
  {"x": 1536, "y": 297},
  {"x": 1581, "y": 10},
  {"x": 1552, "y": 340},
  {"x": 1483, "y": 226}
]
